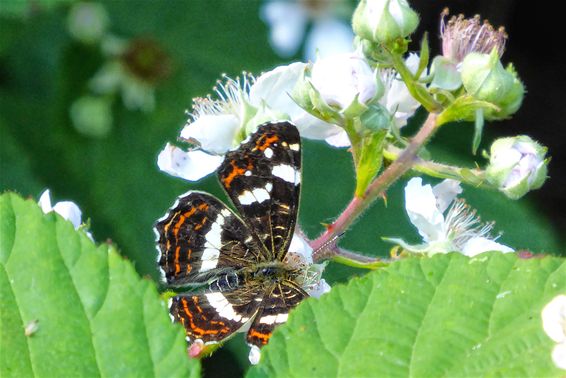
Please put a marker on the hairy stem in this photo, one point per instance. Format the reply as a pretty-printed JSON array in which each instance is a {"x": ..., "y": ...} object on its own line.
[
  {"x": 360, "y": 203},
  {"x": 473, "y": 177}
]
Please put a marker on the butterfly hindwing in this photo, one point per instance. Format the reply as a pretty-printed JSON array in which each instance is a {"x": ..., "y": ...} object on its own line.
[
  {"x": 280, "y": 299},
  {"x": 201, "y": 237},
  {"x": 263, "y": 177},
  {"x": 213, "y": 316}
]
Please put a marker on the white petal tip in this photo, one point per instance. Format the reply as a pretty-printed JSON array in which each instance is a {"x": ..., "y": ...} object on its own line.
[{"x": 255, "y": 355}]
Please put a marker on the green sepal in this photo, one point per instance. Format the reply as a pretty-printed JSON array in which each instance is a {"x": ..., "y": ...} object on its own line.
[
  {"x": 464, "y": 109},
  {"x": 478, "y": 130},
  {"x": 370, "y": 160},
  {"x": 423, "y": 56},
  {"x": 371, "y": 265}
]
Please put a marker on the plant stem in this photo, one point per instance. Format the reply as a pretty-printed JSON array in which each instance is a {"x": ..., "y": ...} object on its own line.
[
  {"x": 417, "y": 91},
  {"x": 359, "y": 204},
  {"x": 473, "y": 177}
]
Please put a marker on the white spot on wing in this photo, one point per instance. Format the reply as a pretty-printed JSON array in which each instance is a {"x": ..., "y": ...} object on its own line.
[
  {"x": 268, "y": 152},
  {"x": 294, "y": 146},
  {"x": 270, "y": 319},
  {"x": 256, "y": 195},
  {"x": 212, "y": 244},
  {"x": 209, "y": 259},
  {"x": 246, "y": 198},
  {"x": 222, "y": 306},
  {"x": 287, "y": 173}
]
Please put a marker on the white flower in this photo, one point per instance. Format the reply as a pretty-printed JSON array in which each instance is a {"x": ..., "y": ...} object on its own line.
[
  {"x": 342, "y": 79},
  {"x": 67, "y": 209},
  {"x": 554, "y": 324},
  {"x": 459, "y": 231},
  {"x": 274, "y": 89},
  {"x": 288, "y": 21},
  {"x": 218, "y": 124}
]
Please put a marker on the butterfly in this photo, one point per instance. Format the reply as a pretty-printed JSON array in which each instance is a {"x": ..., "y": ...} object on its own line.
[{"x": 238, "y": 263}]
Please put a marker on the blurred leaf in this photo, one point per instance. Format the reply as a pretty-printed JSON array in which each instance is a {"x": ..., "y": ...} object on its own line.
[
  {"x": 425, "y": 317},
  {"x": 70, "y": 308}
]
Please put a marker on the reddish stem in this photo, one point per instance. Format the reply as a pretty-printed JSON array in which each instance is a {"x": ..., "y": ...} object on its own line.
[{"x": 359, "y": 204}]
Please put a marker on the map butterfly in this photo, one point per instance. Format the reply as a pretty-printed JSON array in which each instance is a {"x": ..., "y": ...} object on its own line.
[{"x": 239, "y": 264}]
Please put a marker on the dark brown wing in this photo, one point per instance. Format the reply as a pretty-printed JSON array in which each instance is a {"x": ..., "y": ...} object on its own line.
[
  {"x": 274, "y": 310},
  {"x": 214, "y": 316},
  {"x": 199, "y": 238},
  {"x": 263, "y": 179}
]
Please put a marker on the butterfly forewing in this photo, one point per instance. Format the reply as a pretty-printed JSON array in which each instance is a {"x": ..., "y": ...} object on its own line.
[
  {"x": 263, "y": 177},
  {"x": 200, "y": 238}
]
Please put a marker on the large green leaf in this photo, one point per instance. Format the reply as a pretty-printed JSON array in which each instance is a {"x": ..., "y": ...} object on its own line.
[
  {"x": 425, "y": 317},
  {"x": 94, "y": 315}
]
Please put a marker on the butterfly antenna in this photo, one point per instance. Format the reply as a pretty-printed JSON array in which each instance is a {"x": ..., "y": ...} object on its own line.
[{"x": 331, "y": 244}]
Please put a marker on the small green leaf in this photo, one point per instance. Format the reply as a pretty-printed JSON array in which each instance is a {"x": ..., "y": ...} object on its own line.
[
  {"x": 70, "y": 308},
  {"x": 445, "y": 316}
]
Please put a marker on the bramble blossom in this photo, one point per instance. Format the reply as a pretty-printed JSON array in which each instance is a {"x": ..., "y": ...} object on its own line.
[
  {"x": 459, "y": 230},
  {"x": 67, "y": 209},
  {"x": 218, "y": 124}
]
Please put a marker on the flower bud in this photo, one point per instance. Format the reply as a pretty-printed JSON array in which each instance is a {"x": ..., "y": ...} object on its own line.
[
  {"x": 87, "y": 22},
  {"x": 485, "y": 79},
  {"x": 345, "y": 81},
  {"x": 517, "y": 165},
  {"x": 383, "y": 21}
]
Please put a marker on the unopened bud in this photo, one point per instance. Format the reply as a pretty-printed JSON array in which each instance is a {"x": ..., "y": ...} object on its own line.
[
  {"x": 485, "y": 79},
  {"x": 384, "y": 21},
  {"x": 517, "y": 165}
]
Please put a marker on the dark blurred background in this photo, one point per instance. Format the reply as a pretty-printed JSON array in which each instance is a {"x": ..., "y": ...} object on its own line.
[{"x": 179, "y": 49}]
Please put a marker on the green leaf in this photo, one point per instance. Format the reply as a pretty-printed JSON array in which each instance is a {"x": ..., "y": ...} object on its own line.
[
  {"x": 94, "y": 316},
  {"x": 448, "y": 316}
]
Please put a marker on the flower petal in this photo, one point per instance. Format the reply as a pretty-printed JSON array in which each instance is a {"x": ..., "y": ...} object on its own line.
[
  {"x": 480, "y": 244},
  {"x": 445, "y": 193},
  {"x": 192, "y": 165},
  {"x": 300, "y": 246},
  {"x": 45, "y": 201},
  {"x": 339, "y": 140},
  {"x": 559, "y": 356},
  {"x": 70, "y": 211},
  {"x": 420, "y": 204},
  {"x": 328, "y": 37},
  {"x": 273, "y": 88},
  {"x": 215, "y": 133},
  {"x": 554, "y": 319},
  {"x": 287, "y": 21},
  {"x": 322, "y": 287}
]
